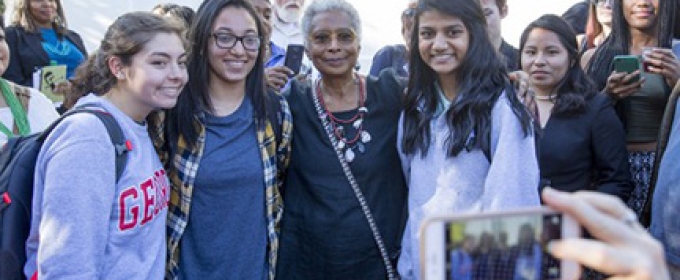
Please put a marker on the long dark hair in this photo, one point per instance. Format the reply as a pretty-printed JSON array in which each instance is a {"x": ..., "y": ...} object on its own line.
[
  {"x": 575, "y": 87},
  {"x": 195, "y": 99},
  {"x": 481, "y": 79},
  {"x": 618, "y": 42}
]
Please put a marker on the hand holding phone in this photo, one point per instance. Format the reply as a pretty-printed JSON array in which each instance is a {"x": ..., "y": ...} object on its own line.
[
  {"x": 619, "y": 238},
  {"x": 628, "y": 64},
  {"x": 294, "y": 54},
  {"x": 509, "y": 245}
]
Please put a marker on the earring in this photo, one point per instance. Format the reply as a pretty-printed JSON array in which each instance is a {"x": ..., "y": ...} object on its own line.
[{"x": 120, "y": 76}]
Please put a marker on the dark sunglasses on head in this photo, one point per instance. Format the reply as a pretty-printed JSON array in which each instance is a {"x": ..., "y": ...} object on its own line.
[
  {"x": 601, "y": 2},
  {"x": 410, "y": 12}
]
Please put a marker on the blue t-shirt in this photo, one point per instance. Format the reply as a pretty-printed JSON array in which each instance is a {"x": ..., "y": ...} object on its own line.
[
  {"x": 226, "y": 236},
  {"x": 62, "y": 52}
]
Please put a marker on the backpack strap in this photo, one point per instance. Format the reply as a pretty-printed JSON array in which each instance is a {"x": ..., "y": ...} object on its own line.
[
  {"x": 22, "y": 93},
  {"x": 120, "y": 144}
]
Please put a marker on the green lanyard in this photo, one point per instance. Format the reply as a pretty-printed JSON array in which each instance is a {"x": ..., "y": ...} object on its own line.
[{"x": 18, "y": 112}]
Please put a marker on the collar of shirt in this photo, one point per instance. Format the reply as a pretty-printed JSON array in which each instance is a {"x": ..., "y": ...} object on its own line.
[{"x": 443, "y": 103}]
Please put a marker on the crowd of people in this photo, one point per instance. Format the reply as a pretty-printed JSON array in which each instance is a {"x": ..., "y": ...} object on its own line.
[{"x": 239, "y": 168}]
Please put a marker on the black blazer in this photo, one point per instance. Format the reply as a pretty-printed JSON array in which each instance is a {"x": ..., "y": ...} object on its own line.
[
  {"x": 586, "y": 151},
  {"x": 27, "y": 53}
]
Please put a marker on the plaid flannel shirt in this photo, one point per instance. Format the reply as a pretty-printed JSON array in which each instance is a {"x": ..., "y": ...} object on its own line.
[{"x": 183, "y": 169}]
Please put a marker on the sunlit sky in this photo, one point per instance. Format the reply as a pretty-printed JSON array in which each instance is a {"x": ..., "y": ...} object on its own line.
[{"x": 380, "y": 18}]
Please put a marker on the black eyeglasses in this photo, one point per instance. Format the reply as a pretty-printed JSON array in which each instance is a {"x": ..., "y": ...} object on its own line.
[{"x": 228, "y": 41}]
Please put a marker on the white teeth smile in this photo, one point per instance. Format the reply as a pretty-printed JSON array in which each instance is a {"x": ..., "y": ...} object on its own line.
[{"x": 236, "y": 63}]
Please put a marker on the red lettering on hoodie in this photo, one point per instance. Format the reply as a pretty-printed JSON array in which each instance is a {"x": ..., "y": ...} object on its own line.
[{"x": 154, "y": 198}]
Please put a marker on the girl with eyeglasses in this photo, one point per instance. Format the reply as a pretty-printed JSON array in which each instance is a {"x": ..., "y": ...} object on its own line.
[{"x": 225, "y": 147}]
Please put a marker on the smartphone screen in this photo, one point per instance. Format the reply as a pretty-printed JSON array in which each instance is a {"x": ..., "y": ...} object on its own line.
[
  {"x": 294, "y": 55},
  {"x": 503, "y": 246}
]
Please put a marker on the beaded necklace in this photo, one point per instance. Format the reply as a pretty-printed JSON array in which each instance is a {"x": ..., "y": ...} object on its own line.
[
  {"x": 361, "y": 136},
  {"x": 551, "y": 97}
]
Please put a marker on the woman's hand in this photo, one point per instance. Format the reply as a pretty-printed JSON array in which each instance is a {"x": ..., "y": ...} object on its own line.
[
  {"x": 663, "y": 61},
  {"x": 622, "y": 248},
  {"x": 521, "y": 81},
  {"x": 277, "y": 76},
  {"x": 620, "y": 85}
]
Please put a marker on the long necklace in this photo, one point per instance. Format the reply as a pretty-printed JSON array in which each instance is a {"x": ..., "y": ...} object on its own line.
[{"x": 345, "y": 143}]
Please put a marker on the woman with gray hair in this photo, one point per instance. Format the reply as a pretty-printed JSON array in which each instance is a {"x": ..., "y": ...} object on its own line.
[{"x": 344, "y": 192}]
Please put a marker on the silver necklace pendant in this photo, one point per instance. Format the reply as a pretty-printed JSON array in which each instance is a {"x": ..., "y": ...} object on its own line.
[
  {"x": 358, "y": 123},
  {"x": 365, "y": 136},
  {"x": 349, "y": 155},
  {"x": 360, "y": 147},
  {"x": 339, "y": 130}
]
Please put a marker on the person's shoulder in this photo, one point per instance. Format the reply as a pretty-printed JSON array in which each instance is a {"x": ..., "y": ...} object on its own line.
[
  {"x": 15, "y": 28},
  {"x": 14, "y": 31},
  {"x": 72, "y": 32},
  {"x": 389, "y": 51},
  {"x": 587, "y": 56},
  {"x": 599, "y": 103},
  {"x": 387, "y": 80},
  {"x": 297, "y": 89},
  {"x": 79, "y": 127},
  {"x": 36, "y": 96},
  {"x": 503, "y": 100},
  {"x": 276, "y": 49}
]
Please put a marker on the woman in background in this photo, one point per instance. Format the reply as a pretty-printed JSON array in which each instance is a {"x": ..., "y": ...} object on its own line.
[
  {"x": 598, "y": 26},
  {"x": 396, "y": 56},
  {"x": 23, "y": 110},
  {"x": 182, "y": 13},
  {"x": 39, "y": 36},
  {"x": 642, "y": 28},
  {"x": 582, "y": 145}
]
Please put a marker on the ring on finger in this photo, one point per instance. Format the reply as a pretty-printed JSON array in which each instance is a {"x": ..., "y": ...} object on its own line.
[{"x": 630, "y": 219}]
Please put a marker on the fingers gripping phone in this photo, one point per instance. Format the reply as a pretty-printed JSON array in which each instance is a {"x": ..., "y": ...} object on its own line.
[
  {"x": 500, "y": 246},
  {"x": 294, "y": 55},
  {"x": 628, "y": 64}
]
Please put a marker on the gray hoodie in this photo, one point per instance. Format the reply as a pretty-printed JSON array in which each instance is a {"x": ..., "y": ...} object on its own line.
[
  {"x": 84, "y": 225},
  {"x": 467, "y": 183}
]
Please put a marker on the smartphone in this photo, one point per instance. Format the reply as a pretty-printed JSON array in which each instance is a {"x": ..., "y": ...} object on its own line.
[
  {"x": 507, "y": 245},
  {"x": 294, "y": 55},
  {"x": 628, "y": 64}
]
